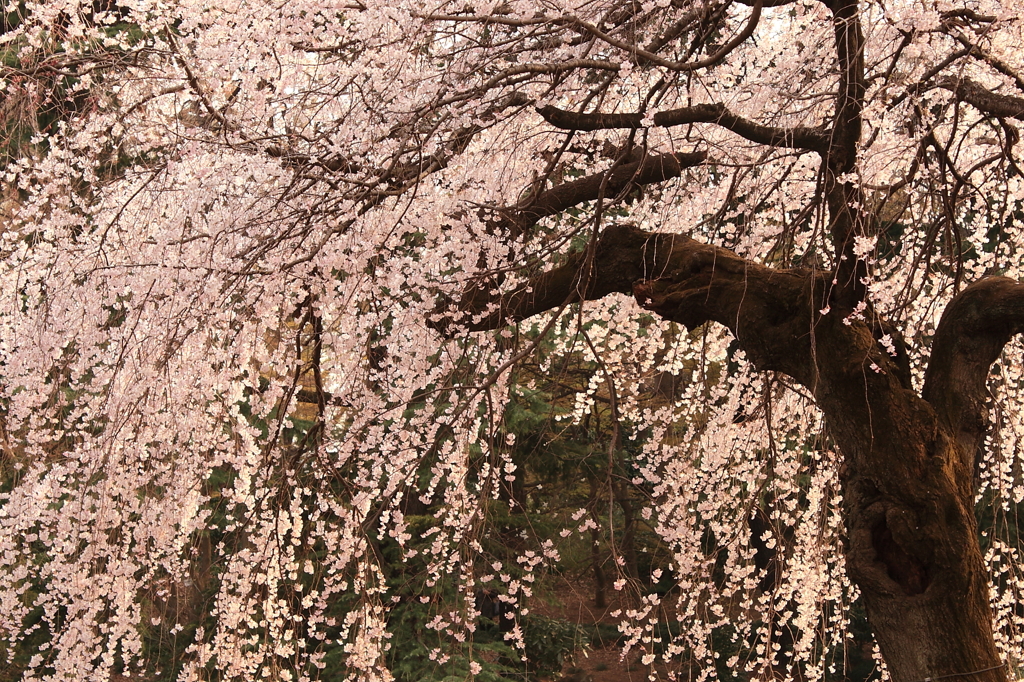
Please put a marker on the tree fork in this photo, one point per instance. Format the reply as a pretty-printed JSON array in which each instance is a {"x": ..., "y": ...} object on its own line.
[
  {"x": 912, "y": 545},
  {"x": 912, "y": 538}
]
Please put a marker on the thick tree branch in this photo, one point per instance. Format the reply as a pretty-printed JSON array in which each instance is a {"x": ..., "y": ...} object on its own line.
[
  {"x": 852, "y": 86},
  {"x": 971, "y": 334},
  {"x": 847, "y": 219},
  {"x": 798, "y": 137},
  {"x": 680, "y": 279},
  {"x": 983, "y": 99},
  {"x": 619, "y": 260},
  {"x": 648, "y": 170}
]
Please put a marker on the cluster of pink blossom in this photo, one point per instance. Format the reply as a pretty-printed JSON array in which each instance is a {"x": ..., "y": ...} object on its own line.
[{"x": 269, "y": 280}]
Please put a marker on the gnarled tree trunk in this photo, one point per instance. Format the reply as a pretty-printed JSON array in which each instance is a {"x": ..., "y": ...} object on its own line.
[{"x": 913, "y": 545}]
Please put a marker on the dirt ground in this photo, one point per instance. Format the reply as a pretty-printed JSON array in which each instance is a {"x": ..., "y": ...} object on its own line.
[{"x": 574, "y": 602}]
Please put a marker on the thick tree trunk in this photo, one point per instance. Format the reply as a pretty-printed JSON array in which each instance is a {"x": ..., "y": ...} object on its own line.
[
  {"x": 912, "y": 539},
  {"x": 909, "y": 459}
]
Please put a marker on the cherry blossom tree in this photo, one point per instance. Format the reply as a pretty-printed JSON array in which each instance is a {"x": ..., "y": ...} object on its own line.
[{"x": 269, "y": 270}]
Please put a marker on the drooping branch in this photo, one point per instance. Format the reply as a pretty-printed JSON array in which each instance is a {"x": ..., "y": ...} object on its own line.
[
  {"x": 797, "y": 137},
  {"x": 972, "y": 332},
  {"x": 408, "y": 166},
  {"x": 649, "y": 57}
]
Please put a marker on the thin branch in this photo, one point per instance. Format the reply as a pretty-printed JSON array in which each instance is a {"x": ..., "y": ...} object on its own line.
[
  {"x": 488, "y": 19},
  {"x": 560, "y": 67},
  {"x": 990, "y": 59},
  {"x": 647, "y": 56}
]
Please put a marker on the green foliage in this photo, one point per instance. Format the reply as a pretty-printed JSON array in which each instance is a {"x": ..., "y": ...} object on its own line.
[
  {"x": 550, "y": 643},
  {"x": 419, "y": 653}
]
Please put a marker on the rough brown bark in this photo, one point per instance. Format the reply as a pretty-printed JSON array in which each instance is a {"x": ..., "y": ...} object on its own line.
[
  {"x": 973, "y": 330},
  {"x": 912, "y": 541},
  {"x": 994, "y": 104}
]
